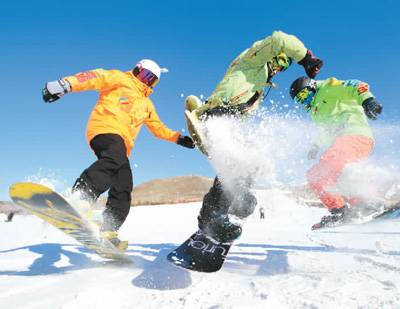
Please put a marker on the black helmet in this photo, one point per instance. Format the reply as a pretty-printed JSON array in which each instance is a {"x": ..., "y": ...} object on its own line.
[{"x": 301, "y": 83}]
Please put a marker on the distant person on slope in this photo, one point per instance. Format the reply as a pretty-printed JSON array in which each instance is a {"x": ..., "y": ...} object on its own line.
[
  {"x": 123, "y": 107},
  {"x": 340, "y": 109},
  {"x": 240, "y": 92},
  {"x": 262, "y": 212},
  {"x": 10, "y": 216}
]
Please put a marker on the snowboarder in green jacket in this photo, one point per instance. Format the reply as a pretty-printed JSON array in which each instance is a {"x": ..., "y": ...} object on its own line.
[
  {"x": 240, "y": 92},
  {"x": 341, "y": 110}
]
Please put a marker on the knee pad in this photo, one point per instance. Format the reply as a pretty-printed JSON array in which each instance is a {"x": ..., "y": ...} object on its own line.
[{"x": 243, "y": 206}]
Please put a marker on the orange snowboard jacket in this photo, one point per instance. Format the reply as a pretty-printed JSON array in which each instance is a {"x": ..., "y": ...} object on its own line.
[{"x": 123, "y": 106}]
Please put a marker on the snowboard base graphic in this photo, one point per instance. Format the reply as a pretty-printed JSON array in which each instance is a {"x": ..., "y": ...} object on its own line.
[
  {"x": 200, "y": 253},
  {"x": 48, "y": 205}
]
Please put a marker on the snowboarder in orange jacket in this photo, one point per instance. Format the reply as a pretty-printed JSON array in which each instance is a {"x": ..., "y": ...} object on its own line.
[{"x": 121, "y": 110}]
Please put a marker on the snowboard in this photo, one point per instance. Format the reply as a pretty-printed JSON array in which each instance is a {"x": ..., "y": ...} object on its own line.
[
  {"x": 375, "y": 233},
  {"x": 387, "y": 214},
  {"x": 390, "y": 213},
  {"x": 48, "y": 205},
  {"x": 194, "y": 129},
  {"x": 200, "y": 253}
]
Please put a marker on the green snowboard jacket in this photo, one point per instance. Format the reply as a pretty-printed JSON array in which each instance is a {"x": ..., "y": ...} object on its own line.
[
  {"x": 337, "y": 109},
  {"x": 248, "y": 73}
]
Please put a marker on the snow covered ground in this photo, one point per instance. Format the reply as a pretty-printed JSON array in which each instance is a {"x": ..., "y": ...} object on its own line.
[{"x": 277, "y": 263}]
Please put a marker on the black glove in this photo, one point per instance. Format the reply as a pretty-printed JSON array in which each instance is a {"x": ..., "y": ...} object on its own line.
[
  {"x": 185, "y": 141},
  {"x": 372, "y": 108},
  {"x": 54, "y": 90},
  {"x": 313, "y": 152},
  {"x": 311, "y": 64}
]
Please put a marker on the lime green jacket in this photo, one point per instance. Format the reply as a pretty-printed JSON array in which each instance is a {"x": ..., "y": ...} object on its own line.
[
  {"x": 248, "y": 73},
  {"x": 337, "y": 109}
]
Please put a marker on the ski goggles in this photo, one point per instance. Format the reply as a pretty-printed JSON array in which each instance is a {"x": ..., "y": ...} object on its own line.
[
  {"x": 146, "y": 76},
  {"x": 281, "y": 62},
  {"x": 305, "y": 96}
]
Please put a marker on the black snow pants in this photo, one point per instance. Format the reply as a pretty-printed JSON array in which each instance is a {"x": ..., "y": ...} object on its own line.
[
  {"x": 219, "y": 202},
  {"x": 111, "y": 172}
]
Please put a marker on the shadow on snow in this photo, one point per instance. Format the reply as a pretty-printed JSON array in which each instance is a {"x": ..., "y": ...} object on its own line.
[
  {"x": 275, "y": 261},
  {"x": 157, "y": 273}
]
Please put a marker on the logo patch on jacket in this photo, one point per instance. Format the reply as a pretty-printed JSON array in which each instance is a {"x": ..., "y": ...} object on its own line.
[
  {"x": 352, "y": 82},
  {"x": 362, "y": 88},
  {"x": 123, "y": 100},
  {"x": 85, "y": 76}
]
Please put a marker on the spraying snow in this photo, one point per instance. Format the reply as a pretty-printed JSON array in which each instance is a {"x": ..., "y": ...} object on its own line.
[{"x": 271, "y": 150}]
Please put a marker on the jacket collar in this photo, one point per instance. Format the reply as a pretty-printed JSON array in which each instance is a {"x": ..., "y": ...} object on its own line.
[{"x": 143, "y": 88}]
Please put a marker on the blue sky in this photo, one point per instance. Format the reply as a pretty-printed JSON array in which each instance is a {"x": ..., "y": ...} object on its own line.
[{"x": 45, "y": 40}]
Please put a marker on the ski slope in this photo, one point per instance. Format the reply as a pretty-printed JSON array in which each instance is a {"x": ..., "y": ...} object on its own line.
[{"x": 277, "y": 263}]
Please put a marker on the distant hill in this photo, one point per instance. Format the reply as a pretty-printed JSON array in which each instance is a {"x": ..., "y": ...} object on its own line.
[{"x": 181, "y": 189}]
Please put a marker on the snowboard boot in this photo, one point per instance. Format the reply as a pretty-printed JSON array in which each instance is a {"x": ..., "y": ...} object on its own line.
[
  {"x": 337, "y": 216},
  {"x": 112, "y": 236},
  {"x": 222, "y": 229}
]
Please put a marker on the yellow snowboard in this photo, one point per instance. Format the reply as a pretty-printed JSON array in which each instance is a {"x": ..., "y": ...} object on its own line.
[{"x": 55, "y": 210}]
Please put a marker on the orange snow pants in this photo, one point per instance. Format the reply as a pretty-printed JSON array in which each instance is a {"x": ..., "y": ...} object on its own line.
[{"x": 324, "y": 175}]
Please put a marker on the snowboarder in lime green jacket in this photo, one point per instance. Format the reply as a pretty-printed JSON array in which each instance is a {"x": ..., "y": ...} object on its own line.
[
  {"x": 241, "y": 89},
  {"x": 341, "y": 110},
  {"x": 240, "y": 92}
]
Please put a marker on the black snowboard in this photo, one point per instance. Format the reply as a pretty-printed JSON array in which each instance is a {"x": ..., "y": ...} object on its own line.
[
  {"x": 200, "y": 253},
  {"x": 388, "y": 214}
]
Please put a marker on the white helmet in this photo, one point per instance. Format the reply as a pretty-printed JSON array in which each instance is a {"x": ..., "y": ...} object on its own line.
[{"x": 148, "y": 72}]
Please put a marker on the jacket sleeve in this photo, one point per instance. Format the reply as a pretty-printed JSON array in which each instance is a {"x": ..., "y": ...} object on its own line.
[
  {"x": 97, "y": 79},
  {"x": 157, "y": 128},
  {"x": 264, "y": 50},
  {"x": 288, "y": 44},
  {"x": 358, "y": 90}
]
